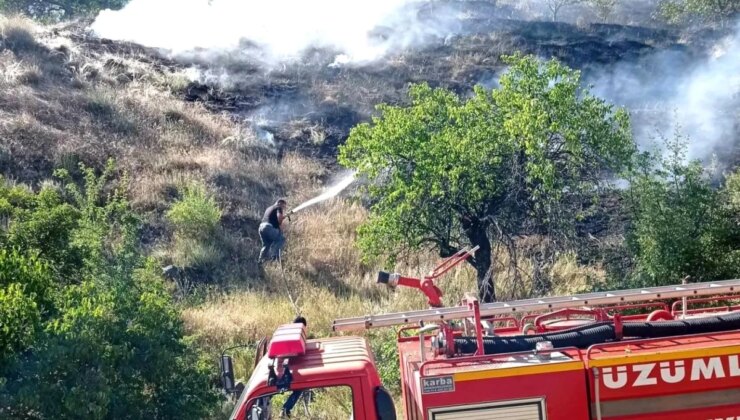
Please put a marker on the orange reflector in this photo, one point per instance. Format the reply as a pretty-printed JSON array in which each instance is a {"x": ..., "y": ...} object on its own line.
[{"x": 288, "y": 341}]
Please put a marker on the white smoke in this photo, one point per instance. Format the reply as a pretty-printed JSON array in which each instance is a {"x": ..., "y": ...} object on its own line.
[
  {"x": 282, "y": 28},
  {"x": 673, "y": 90},
  {"x": 664, "y": 90}
]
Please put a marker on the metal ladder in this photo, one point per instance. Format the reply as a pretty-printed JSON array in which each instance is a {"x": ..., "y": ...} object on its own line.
[{"x": 539, "y": 304}]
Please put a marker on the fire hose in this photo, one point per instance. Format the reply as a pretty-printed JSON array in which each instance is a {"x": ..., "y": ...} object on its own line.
[{"x": 585, "y": 336}]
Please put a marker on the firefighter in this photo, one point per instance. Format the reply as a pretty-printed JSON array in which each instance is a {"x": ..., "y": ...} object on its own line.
[{"x": 270, "y": 232}]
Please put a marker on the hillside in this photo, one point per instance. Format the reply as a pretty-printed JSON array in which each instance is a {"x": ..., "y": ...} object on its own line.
[{"x": 248, "y": 132}]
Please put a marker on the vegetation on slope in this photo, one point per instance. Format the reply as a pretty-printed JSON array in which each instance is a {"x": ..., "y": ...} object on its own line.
[
  {"x": 89, "y": 329},
  {"x": 84, "y": 312},
  {"x": 524, "y": 159}
]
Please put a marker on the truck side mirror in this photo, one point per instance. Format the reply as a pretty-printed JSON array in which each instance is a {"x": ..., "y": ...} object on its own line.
[{"x": 227, "y": 373}]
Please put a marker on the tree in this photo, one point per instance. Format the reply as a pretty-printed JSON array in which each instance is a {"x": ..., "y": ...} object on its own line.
[
  {"x": 106, "y": 342},
  {"x": 732, "y": 188},
  {"x": 556, "y": 5},
  {"x": 603, "y": 8},
  {"x": 64, "y": 9},
  {"x": 25, "y": 301},
  {"x": 681, "y": 225},
  {"x": 722, "y": 12},
  {"x": 526, "y": 158}
]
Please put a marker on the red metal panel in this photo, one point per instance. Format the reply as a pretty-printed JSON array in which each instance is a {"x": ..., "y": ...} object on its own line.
[
  {"x": 691, "y": 377},
  {"x": 564, "y": 393},
  {"x": 338, "y": 361},
  {"x": 717, "y": 413},
  {"x": 477, "y": 379}
]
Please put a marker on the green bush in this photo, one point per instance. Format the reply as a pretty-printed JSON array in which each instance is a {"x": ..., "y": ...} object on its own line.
[
  {"x": 681, "y": 225},
  {"x": 195, "y": 219},
  {"x": 385, "y": 351},
  {"x": 732, "y": 188},
  {"x": 108, "y": 343},
  {"x": 44, "y": 223},
  {"x": 19, "y": 321},
  {"x": 721, "y": 12},
  {"x": 25, "y": 300},
  {"x": 196, "y": 215}
]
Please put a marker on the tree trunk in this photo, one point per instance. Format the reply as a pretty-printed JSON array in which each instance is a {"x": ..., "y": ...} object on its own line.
[{"x": 477, "y": 233}]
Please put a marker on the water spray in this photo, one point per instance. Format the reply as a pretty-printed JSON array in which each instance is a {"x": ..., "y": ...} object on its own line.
[{"x": 330, "y": 192}]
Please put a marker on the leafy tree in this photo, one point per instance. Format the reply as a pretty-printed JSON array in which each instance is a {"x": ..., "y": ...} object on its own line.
[
  {"x": 682, "y": 11},
  {"x": 732, "y": 188},
  {"x": 60, "y": 8},
  {"x": 681, "y": 225},
  {"x": 108, "y": 343},
  {"x": 526, "y": 158}
]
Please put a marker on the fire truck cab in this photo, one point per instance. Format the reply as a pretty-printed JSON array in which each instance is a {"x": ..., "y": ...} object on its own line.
[
  {"x": 670, "y": 352},
  {"x": 296, "y": 365}
]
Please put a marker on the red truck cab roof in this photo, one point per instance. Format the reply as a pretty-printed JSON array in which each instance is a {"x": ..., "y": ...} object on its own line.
[{"x": 326, "y": 362}]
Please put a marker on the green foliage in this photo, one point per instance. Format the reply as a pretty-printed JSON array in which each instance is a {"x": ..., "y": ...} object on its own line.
[
  {"x": 685, "y": 11},
  {"x": 108, "y": 343},
  {"x": 681, "y": 225},
  {"x": 525, "y": 158},
  {"x": 19, "y": 321},
  {"x": 196, "y": 214},
  {"x": 25, "y": 300},
  {"x": 385, "y": 351},
  {"x": 44, "y": 223},
  {"x": 732, "y": 187},
  {"x": 70, "y": 228},
  {"x": 59, "y": 9},
  {"x": 196, "y": 220}
]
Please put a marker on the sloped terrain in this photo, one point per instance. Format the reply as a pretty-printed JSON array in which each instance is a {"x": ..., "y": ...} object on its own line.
[{"x": 253, "y": 132}]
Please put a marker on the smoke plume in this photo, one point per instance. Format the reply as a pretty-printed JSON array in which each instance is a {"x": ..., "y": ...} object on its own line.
[
  {"x": 673, "y": 89},
  {"x": 281, "y": 29},
  {"x": 231, "y": 40}
]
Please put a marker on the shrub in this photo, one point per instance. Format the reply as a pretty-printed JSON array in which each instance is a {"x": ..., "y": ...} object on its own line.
[
  {"x": 196, "y": 215},
  {"x": 19, "y": 321},
  {"x": 681, "y": 225},
  {"x": 385, "y": 351},
  {"x": 111, "y": 343},
  {"x": 195, "y": 219},
  {"x": 732, "y": 188},
  {"x": 721, "y": 12},
  {"x": 18, "y": 33}
]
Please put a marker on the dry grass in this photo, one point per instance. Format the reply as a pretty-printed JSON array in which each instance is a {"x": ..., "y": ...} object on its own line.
[
  {"x": 18, "y": 32},
  {"x": 61, "y": 104},
  {"x": 327, "y": 280}
]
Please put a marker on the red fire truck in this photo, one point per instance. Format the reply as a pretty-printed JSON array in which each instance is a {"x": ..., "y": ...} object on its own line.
[{"x": 669, "y": 352}]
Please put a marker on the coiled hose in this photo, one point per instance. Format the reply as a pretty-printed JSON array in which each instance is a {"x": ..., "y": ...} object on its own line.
[
  {"x": 725, "y": 322},
  {"x": 577, "y": 337},
  {"x": 602, "y": 332}
]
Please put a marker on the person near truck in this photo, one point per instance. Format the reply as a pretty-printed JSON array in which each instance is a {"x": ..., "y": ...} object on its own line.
[
  {"x": 270, "y": 233},
  {"x": 296, "y": 395}
]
